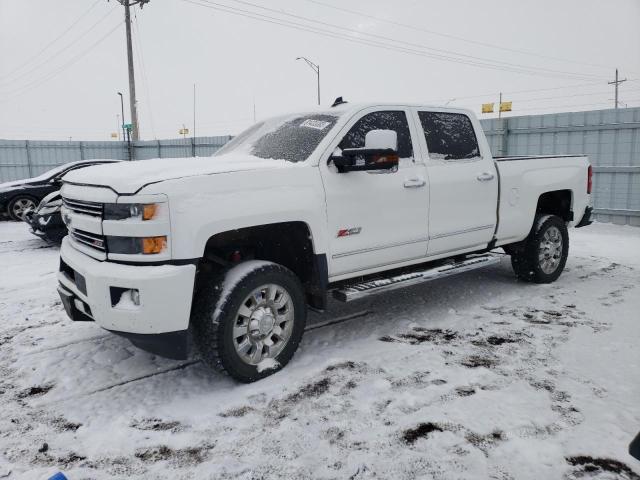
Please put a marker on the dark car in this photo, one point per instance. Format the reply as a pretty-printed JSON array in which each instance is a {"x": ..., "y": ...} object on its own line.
[
  {"x": 20, "y": 196},
  {"x": 46, "y": 220}
]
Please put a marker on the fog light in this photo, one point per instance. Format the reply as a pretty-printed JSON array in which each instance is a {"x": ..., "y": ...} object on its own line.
[{"x": 135, "y": 296}]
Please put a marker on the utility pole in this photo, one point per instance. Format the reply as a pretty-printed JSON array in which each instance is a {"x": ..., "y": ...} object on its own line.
[
  {"x": 127, "y": 4},
  {"x": 617, "y": 82},
  {"x": 500, "y": 107}
]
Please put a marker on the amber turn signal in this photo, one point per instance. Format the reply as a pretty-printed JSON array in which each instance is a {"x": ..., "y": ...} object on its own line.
[
  {"x": 149, "y": 211},
  {"x": 153, "y": 244}
]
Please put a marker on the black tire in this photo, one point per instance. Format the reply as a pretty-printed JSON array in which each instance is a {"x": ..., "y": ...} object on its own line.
[
  {"x": 14, "y": 201},
  {"x": 526, "y": 261},
  {"x": 216, "y": 310}
]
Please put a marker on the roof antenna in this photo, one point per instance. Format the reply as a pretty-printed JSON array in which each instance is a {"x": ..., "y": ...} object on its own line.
[{"x": 338, "y": 101}]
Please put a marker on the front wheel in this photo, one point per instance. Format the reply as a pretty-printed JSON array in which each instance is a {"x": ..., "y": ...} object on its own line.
[
  {"x": 544, "y": 253},
  {"x": 19, "y": 206},
  {"x": 248, "y": 321}
]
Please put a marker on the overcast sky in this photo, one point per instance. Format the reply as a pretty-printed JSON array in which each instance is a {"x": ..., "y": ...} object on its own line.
[{"x": 62, "y": 62}]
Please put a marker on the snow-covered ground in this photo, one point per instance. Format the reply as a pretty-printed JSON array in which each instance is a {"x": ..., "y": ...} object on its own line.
[{"x": 475, "y": 376}]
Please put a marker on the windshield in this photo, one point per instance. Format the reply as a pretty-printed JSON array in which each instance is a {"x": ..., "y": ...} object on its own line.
[
  {"x": 51, "y": 173},
  {"x": 57, "y": 171},
  {"x": 292, "y": 138}
]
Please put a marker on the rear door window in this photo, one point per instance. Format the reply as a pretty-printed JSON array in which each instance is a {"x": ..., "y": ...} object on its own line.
[{"x": 449, "y": 136}]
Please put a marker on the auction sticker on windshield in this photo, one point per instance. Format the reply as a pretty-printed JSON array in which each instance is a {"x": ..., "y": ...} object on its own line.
[{"x": 317, "y": 124}]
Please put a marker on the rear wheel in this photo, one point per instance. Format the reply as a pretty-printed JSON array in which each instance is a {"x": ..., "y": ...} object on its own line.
[
  {"x": 20, "y": 205},
  {"x": 544, "y": 252},
  {"x": 248, "y": 321}
]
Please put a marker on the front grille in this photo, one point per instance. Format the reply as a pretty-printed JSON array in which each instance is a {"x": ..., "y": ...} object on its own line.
[
  {"x": 92, "y": 209},
  {"x": 89, "y": 239}
]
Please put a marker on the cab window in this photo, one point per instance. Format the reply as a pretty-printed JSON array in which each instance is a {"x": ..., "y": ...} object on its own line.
[
  {"x": 449, "y": 136},
  {"x": 383, "y": 120}
]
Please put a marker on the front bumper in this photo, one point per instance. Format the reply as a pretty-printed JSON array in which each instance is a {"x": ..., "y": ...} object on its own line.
[
  {"x": 88, "y": 285},
  {"x": 48, "y": 227}
]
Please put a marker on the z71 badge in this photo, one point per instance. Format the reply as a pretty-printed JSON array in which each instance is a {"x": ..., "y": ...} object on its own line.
[{"x": 345, "y": 232}]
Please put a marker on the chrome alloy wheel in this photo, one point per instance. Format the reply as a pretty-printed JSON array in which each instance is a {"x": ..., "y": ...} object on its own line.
[
  {"x": 22, "y": 206},
  {"x": 264, "y": 323},
  {"x": 550, "y": 250}
]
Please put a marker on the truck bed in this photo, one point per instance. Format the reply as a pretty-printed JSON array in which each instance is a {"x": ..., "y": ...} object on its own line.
[{"x": 524, "y": 178}]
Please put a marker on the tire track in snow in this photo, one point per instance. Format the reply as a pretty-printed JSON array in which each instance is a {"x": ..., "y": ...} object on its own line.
[
  {"x": 67, "y": 344},
  {"x": 138, "y": 378},
  {"x": 118, "y": 384}
]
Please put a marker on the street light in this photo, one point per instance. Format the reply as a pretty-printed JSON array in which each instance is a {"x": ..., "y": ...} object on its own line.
[{"x": 315, "y": 68}]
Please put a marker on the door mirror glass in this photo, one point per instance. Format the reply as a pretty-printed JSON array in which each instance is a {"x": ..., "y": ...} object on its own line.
[{"x": 379, "y": 153}]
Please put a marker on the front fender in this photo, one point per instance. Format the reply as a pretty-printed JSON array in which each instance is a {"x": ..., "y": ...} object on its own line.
[{"x": 201, "y": 207}]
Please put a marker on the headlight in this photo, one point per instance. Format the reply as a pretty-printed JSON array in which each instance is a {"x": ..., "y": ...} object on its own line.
[
  {"x": 122, "y": 211},
  {"x": 136, "y": 245}
]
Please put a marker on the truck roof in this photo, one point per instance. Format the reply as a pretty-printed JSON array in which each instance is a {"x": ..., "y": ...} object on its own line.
[{"x": 357, "y": 106}]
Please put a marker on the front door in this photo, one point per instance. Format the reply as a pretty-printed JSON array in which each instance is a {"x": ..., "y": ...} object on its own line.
[
  {"x": 463, "y": 183},
  {"x": 377, "y": 218}
]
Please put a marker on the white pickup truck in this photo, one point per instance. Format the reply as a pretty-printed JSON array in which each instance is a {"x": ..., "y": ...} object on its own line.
[{"x": 232, "y": 249}]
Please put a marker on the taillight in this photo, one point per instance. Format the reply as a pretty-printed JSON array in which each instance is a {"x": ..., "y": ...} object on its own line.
[{"x": 589, "y": 179}]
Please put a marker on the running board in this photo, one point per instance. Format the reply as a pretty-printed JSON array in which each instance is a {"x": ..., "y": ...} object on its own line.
[{"x": 364, "y": 289}]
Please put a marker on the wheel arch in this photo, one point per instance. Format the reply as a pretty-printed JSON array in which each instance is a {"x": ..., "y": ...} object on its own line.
[
  {"x": 290, "y": 244},
  {"x": 556, "y": 202}
]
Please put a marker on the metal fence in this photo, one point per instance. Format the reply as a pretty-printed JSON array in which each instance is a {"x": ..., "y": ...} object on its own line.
[
  {"x": 611, "y": 139},
  {"x": 28, "y": 158}
]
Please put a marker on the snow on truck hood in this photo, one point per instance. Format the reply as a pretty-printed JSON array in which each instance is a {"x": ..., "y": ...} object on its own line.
[{"x": 129, "y": 177}]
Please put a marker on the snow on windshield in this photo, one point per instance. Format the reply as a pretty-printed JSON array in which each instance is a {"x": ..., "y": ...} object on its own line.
[{"x": 290, "y": 138}]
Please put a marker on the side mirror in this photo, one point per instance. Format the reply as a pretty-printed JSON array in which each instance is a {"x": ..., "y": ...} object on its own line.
[{"x": 379, "y": 153}]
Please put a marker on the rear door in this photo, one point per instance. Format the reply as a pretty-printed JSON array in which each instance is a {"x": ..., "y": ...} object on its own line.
[
  {"x": 463, "y": 182},
  {"x": 376, "y": 218}
]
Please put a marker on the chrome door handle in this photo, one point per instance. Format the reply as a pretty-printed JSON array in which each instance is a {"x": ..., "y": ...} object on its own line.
[
  {"x": 485, "y": 177},
  {"x": 414, "y": 183}
]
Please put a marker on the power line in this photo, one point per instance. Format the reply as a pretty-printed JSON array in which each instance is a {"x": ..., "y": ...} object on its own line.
[
  {"x": 454, "y": 37},
  {"x": 493, "y": 94},
  {"x": 573, "y": 105},
  {"x": 363, "y": 41},
  {"x": 52, "y": 42},
  {"x": 536, "y": 99},
  {"x": 410, "y": 44},
  {"x": 570, "y": 96},
  {"x": 35, "y": 84},
  {"x": 62, "y": 50},
  {"x": 138, "y": 39}
]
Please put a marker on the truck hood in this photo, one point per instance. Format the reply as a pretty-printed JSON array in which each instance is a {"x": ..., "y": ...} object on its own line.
[{"x": 129, "y": 177}]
